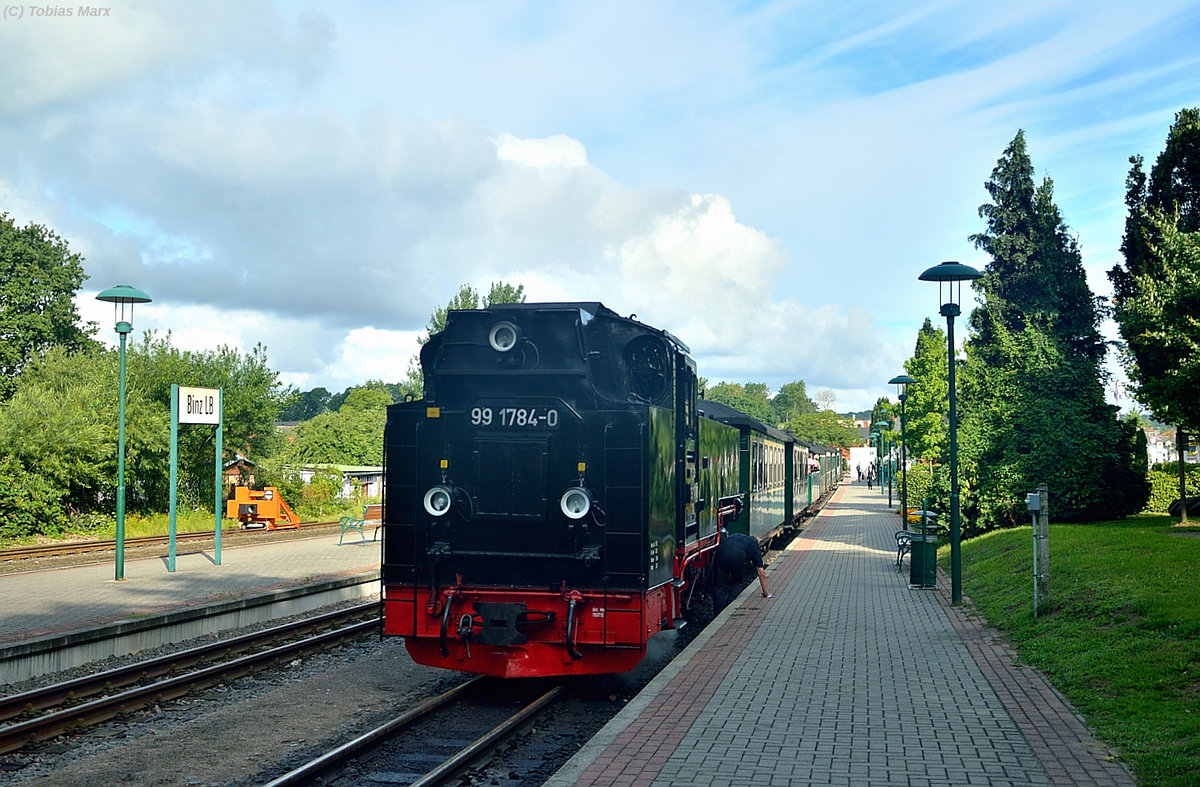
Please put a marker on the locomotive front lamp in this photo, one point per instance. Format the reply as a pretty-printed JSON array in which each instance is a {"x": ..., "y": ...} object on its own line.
[
  {"x": 576, "y": 503},
  {"x": 503, "y": 337},
  {"x": 122, "y": 296},
  {"x": 951, "y": 273},
  {"x": 438, "y": 500},
  {"x": 902, "y": 381}
]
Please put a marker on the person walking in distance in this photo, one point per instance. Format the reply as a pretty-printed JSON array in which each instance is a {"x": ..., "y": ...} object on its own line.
[{"x": 734, "y": 553}]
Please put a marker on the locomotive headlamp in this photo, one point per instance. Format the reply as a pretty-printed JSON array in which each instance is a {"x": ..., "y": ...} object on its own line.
[
  {"x": 503, "y": 337},
  {"x": 438, "y": 500},
  {"x": 576, "y": 502}
]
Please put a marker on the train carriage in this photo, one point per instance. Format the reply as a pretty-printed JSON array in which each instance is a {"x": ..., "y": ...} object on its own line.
[
  {"x": 831, "y": 466},
  {"x": 774, "y": 467},
  {"x": 553, "y": 499}
]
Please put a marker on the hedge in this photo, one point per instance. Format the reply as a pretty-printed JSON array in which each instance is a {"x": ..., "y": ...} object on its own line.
[{"x": 1164, "y": 485}]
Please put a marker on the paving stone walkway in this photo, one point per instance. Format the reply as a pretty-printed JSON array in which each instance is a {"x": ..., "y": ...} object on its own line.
[{"x": 847, "y": 677}]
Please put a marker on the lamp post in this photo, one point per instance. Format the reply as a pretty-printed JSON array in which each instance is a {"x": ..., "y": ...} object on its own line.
[
  {"x": 951, "y": 273},
  {"x": 121, "y": 296},
  {"x": 879, "y": 426},
  {"x": 874, "y": 443},
  {"x": 902, "y": 381}
]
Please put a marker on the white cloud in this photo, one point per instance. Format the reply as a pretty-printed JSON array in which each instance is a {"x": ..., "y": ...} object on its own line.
[
  {"x": 764, "y": 182},
  {"x": 556, "y": 152}
]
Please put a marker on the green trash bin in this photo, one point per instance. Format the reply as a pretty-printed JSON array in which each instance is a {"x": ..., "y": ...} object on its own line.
[{"x": 922, "y": 558}]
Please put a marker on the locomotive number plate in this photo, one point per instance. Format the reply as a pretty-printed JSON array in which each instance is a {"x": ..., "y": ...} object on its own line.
[{"x": 515, "y": 417}]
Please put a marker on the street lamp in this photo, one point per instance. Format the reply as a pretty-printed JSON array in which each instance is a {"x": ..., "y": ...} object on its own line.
[
  {"x": 951, "y": 273},
  {"x": 902, "y": 381},
  {"x": 121, "y": 296},
  {"x": 873, "y": 441},
  {"x": 879, "y": 427}
]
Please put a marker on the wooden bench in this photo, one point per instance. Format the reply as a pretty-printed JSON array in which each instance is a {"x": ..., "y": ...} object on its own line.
[{"x": 372, "y": 516}]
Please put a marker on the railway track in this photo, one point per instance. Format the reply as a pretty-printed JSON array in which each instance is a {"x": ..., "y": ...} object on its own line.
[
  {"x": 55, "y": 549},
  {"x": 40, "y": 714},
  {"x": 422, "y": 731}
]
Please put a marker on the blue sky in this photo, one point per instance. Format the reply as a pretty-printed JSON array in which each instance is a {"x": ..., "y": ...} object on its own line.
[{"x": 765, "y": 180}]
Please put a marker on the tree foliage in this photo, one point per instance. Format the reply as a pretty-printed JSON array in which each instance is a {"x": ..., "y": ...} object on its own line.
[
  {"x": 824, "y": 428},
  {"x": 791, "y": 401},
  {"x": 252, "y": 397},
  {"x": 304, "y": 405},
  {"x": 1045, "y": 422},
  {"x": 61, "y": 423},
  {"x": 1160, "y": 325},
  {"x": 30, "y": 504},
  {"x": 925, "y": 410},
  {"x": 1032, "y": 386},
  {"x": 39, "y": 276},
  {"x": 884, "y": 411},
  {"x": 751, "y": 399},
  {"x": 1157, "y": 294},
  {"x": 351, "y": 435}
]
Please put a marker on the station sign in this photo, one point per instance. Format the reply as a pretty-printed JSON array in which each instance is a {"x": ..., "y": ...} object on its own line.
[{"x": 199, "y": 405}]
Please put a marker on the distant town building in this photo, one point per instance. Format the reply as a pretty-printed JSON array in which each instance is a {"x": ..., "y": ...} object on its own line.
[{"x": 1160, "y": 447}]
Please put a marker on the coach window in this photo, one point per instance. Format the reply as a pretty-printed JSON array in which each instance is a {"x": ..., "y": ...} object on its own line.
[{"x": 758, "y": 466}]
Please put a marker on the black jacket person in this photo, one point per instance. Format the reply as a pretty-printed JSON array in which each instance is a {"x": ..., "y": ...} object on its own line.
[{"x": 735, "y": 551}]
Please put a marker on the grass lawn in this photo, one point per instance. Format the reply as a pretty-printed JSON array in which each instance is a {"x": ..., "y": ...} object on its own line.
[{"x": 1121, "y": 637}]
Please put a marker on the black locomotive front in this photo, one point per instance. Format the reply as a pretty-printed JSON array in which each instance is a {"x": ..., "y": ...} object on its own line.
[{"x": 536, "y": 499}]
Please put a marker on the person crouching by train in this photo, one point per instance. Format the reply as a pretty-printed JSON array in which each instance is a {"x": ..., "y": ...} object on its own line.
[{"x": 735, "y": 551}]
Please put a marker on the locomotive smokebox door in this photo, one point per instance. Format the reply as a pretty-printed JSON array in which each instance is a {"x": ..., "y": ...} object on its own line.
[{"x": 500, "y": 624}]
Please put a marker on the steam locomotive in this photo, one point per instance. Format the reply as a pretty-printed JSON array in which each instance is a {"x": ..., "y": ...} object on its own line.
[{"x": 555, "y": 498}]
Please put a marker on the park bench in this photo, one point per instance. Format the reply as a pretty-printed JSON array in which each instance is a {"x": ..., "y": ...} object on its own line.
[
  {"x": 372, "y": 516},
  {"x": 904, "y": 538}
]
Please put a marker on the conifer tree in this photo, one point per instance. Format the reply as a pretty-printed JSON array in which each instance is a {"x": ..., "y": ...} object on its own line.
[
  {"x": 1156, "y": 295},
  {"x": 1033, "y": 383}
]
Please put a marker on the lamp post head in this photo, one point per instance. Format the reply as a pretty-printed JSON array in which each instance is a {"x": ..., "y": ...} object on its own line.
[
  {"x": 120, "y": 296},
  {"x": 901, "y": 381},
  {"x": 950, "y": 272}
]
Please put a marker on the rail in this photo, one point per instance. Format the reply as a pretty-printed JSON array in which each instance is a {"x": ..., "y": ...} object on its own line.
[
  {"x": 451, "y": 766},
  {"x": 58, "y": 548},
  {"x": 54, "y": 722}
]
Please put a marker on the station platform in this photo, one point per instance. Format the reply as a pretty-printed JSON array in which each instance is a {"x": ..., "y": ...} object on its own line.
[
  {"x": 46, "y": 612},
  {"x": 846, "y": 677}
]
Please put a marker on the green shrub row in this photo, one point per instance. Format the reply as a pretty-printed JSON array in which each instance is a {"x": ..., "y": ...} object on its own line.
[
  {"x": 29, "y": 503},
  {"x": 1164, "y": 485}
]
